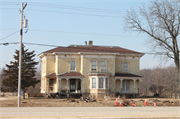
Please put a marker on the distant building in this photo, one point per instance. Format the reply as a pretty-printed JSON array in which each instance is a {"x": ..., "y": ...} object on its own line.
[{"x": 98, "y": 70}]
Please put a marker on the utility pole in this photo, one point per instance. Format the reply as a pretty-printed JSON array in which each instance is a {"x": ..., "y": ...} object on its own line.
[{"x": 20, "y": 55}]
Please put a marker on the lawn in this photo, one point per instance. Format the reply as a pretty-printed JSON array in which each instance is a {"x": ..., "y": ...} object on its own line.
[{"x": 40, "y": 102}]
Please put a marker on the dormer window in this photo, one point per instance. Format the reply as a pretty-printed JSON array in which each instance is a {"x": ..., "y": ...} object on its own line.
[
  {"x": 125, "y": 67},
  {"x": 103, "y": 65},
  {"x": 73, "y": 65},
  {"x": 93, "y": 65}
]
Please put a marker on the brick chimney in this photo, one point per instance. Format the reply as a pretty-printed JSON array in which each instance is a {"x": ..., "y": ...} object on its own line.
[{"x": 90, "y": 42}]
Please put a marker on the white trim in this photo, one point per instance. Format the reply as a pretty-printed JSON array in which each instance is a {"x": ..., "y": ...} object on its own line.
[
  {"x": 96, "y": 53},
  {"x": 135, "y": 58},
  {"x": 68, "y": 56},
  {"x": 97, "y": 56}
]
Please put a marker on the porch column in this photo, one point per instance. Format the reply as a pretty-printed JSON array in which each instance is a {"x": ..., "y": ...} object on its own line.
[
  {"x": 81, "y": 84},
  {"x": 67, "y": 84},
  {"x": 97, "y": 84},
  {"x": 134, "y": 82},
  {"x": 121, "y": 84},
  {"x": 59, "y": 88},
  {"x": 104, "y": 83}
]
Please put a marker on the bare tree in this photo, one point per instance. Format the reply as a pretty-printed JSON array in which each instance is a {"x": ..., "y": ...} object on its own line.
[
  {"x": 162, "y": 81},
  {"x": 146, "y": 82},
  {"x": 161, "y": 22},
  {"x": 158, "y": 83},
  {"x": 171, "y": 76}
]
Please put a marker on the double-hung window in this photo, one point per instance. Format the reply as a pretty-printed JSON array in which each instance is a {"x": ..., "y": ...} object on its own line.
[
  {"x": 93, "y": 65},
  {"x": 125, "y": 67},
  {"x": 73, "y": 65},
  {"x": 93, "y": 82},
  {"x": 103, "y": 65},
  {"x": 101, "y": 82}
]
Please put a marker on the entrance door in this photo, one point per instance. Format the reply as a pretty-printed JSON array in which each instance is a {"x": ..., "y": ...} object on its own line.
[{"x": 72, "y": 85}]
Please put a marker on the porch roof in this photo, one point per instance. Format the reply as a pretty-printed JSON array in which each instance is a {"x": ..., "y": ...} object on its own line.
[
  {"x": 70, "y": 74},
  {"x": 127, "y": 75},
  {"x": 51, "y": 75}
]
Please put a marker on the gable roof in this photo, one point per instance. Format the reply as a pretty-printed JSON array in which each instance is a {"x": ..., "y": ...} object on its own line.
[{"x": 102, "y": 49}]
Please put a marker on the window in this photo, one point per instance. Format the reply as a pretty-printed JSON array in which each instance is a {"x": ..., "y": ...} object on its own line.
[
  {"x": 73, "y": 65},
  {"x": 126, "y": 85},
  {"x": 93, "y": 82},
  {"x": 103, "y": 65},
  {"x": 101, "y": 82},
  {"x": 94, "y": 65},
  {"x": 125, "y": 67},
  {"x": 106, "y": 82}
]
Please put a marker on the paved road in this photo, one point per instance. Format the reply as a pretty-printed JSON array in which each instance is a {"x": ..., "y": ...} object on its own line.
[{"x": 89, "y": 112}]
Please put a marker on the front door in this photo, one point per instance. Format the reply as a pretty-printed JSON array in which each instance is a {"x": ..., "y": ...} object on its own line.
[{"x": 72, "y": 85}]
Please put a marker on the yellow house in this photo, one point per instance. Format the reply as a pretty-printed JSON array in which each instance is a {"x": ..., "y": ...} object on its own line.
[{"x": 96, "y": 70}]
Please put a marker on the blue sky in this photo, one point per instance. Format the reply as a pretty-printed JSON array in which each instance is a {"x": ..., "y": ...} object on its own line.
[{"x": 67, "y": 22}]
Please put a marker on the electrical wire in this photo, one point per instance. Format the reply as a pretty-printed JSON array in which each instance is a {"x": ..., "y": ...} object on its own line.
[
  {"x": 69, "y": 7},
  {"x": 77, "y": 8},
  {"x": 42, "y": 30},
  {"x": 10, "y": 35},
  {"x": 73, "y": 13},
  {"x": 79, "y": 33},
  {"x": 149, "y": 53}
]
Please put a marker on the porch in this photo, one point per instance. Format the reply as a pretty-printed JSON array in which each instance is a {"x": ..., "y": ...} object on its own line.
[
  {"x": 127, "y": 84},
  {"x": 69, "y": 83},
  {"x": 64, "y": 83}
]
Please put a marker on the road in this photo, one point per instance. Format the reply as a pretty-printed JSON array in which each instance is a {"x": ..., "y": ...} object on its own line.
[{"x": 89, "y": 112}]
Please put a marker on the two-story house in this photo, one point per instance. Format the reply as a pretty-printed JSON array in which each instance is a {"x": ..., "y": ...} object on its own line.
[{"x": 97, "y": 70}]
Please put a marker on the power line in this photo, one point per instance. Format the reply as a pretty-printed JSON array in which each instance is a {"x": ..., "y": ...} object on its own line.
[
  {"x": 79, "y": 33},
  {"x": 149, "y": 53},
  {"x": 71, "y": 32},
  {"x": 10, "y": 34},
  {"x": 74, "y": 13},
  {"x": 77, "y": 8}
]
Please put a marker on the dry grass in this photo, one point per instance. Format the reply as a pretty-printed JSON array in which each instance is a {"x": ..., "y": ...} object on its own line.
[{"x": 35, "y": 102}]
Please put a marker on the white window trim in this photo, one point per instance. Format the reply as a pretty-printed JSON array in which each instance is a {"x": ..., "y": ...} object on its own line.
[
  {"x": 127, "y": 67},
  {"x": 75, "y": 65},
  {"x": 92, "y": 82},
  {"x": 91, "y": 65},
  {"x": 97, "y": 82},
  {"x": 106, "y": 65}
]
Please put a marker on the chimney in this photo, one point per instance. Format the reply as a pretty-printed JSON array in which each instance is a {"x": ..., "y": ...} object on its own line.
[
  {"x": 90, "y": 42},
  {"x": 86, "y": 43}
]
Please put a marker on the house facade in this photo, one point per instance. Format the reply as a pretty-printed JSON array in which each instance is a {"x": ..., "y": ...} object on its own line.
[{"x": 97, "y": 70}]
